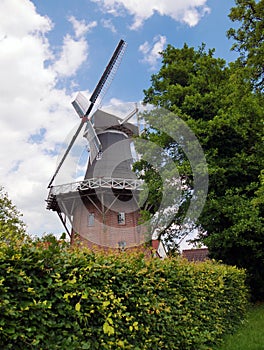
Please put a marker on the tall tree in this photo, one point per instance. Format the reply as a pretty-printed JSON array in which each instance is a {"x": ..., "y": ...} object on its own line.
[
  {"x": 219, "y": 105},
  {"x": 249, "y": 37}
]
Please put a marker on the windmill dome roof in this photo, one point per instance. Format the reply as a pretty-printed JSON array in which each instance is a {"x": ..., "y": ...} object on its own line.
[{"x": 103, "y": 120}]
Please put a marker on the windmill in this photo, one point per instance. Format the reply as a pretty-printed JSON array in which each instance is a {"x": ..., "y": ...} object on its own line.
[{"x": 102, "y": 208}]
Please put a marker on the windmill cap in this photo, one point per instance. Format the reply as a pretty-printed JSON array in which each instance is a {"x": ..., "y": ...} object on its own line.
[{"x": 102, "y": 120}]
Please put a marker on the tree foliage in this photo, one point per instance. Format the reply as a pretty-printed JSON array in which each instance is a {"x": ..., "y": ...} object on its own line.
[
  {"x": 218, "y": 103},
  {"x": 249, "y": 37},
  {"x": 52, "y": 297},
  {"x": 167, "y": 185},
  {"x": 12, "y": 227}
]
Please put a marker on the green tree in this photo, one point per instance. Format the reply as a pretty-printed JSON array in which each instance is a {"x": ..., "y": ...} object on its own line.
[
  {"x": 12, "y": 227},
  {"x": 249, "y": 37},
  {"x": 259, "y": 200},
  {"x": 219, "y": 105}
]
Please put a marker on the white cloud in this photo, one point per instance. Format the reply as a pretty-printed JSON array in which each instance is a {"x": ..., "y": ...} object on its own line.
[
  {"x": 22, "y": 10},
  {"x": 75, "y": 50},
  {"x": 36, "y": 116},
  {"x": 74, "y": 53},
  {"x": 80, "y": 27},
  {"x": 193, "y": 16},
  {"x": 185, "y": 11},
  {"x": 151, "y": 52},
  {"x": 107, "y": 23}
]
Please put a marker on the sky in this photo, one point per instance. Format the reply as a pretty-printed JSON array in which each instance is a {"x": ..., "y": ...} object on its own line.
[{"x": 51, "y": 49}]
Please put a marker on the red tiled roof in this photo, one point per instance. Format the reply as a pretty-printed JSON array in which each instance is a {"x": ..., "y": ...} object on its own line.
[{"x": 199, "y": 254}]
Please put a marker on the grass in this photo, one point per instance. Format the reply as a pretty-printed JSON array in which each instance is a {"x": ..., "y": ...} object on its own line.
[{"x": 250, "y": 336}]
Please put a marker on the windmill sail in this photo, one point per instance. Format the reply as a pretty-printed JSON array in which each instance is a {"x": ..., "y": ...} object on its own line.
[
  {"x": 129, "y": 116},
  {"x": 100, "y": 89},
  {"x": 93, "y": 140},
  {"x": 80, "y": 104},
  {"x": 109, "y": 72}
]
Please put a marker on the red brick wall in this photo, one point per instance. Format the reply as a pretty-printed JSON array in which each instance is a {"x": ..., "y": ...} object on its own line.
[{"x": 106, "y": 231}]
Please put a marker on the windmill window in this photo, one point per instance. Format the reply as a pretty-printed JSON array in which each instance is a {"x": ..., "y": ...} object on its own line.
[
  {"x": 121, "y": 218},
  {"x": 91, "y": 219}
]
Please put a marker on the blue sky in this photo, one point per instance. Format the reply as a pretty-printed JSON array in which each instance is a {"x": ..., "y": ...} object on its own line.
[
  {"x": 135, "y": 72},
  {"x": 51, "y": 49}
]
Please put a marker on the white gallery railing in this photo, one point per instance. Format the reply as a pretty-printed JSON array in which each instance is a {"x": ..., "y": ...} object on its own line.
[{"x": 104, "y": 182}]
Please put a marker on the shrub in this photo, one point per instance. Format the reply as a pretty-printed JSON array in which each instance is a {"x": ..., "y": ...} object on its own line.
[{"x": 54, "y": 297}]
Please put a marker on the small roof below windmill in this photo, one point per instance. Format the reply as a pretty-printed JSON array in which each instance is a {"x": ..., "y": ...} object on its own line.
[
  {"x": 103, "y": 120},
  {"x": 197, "y": 254}
]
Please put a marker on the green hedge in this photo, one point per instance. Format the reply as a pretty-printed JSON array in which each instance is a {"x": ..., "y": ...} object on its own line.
[{"x": 56, "y": 298}]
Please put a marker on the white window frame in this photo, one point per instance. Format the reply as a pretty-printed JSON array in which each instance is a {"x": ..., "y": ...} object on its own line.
[
  {"x": 121, "y": 218},
  {"x": 90, "y": 219}
]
